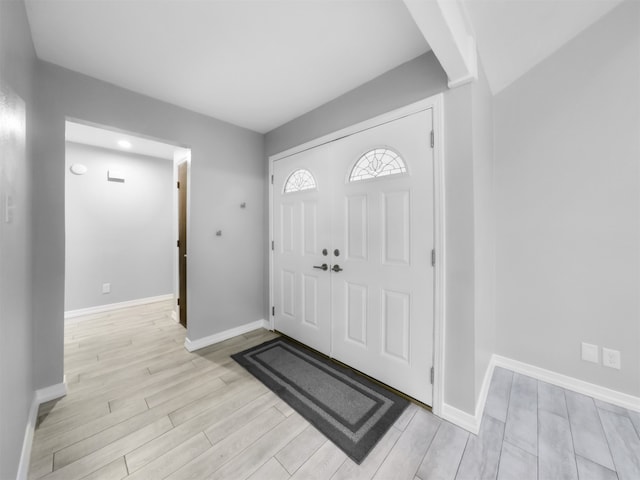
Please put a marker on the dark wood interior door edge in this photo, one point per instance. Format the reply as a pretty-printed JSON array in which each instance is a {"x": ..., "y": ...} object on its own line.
[{"x": 182, "y": 242}]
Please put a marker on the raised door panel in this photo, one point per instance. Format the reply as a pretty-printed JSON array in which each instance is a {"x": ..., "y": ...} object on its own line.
[
  {"x": 357, "y": 297},
  {"x": 357, "y": 228},
  {"x": 310, "y": 299},
  {"x": 310, "y": 227},
  {"x": 288, "y": 289},
  {"x": 287, "y": 228},
  {"x": 396, "y": 324},
  {"x": 396, "y": 230}
]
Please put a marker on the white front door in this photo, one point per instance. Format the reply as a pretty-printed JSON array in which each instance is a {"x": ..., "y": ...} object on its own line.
[
  {"x": 382, "y": 299},
  {"x": 371, "y": 210},
  {"x": 302, "y": 229}
]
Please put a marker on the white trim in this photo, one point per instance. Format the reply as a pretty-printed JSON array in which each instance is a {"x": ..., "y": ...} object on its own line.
[
  {"x": 39, "y": 397},
  {"x": 193, "y": 345},
  {"x": 481, "y": 401},
  {"x": 25, "y": 456},
  {"x": 462, "y": 419},
  {"x": 462, "y": 81},
  {"x": 450, "y": 35},
  {"x": 410, "y": 109},
  {"x": 598, "y": 392},
  {"x": 472, "y": 422},
  {"x": 271, "y": 318},
  {"x": 52, "y": 392},
  {"x": 116, "y": 306},
  {"x": 174, "y": 315},
  {"x": 435, "y": 103},
  {"x": 439, "y": 221}
]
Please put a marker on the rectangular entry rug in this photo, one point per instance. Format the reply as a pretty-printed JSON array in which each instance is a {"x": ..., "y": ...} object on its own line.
[{"x": 350, "y": 410}]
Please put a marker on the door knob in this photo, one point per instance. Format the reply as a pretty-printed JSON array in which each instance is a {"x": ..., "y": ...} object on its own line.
[
  {"x": 323, "y": 267},
  {"x": 336, "y": 268}
]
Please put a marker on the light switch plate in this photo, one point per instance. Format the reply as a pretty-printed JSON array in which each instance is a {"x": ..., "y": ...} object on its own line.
[{"x": 590, "y": 352}]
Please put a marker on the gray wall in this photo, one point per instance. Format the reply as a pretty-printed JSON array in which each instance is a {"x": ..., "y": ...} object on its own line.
[
  {"x": 470, "y": 241},
  {"x": 412, "y": 81},
  {"x": 484, "y": 227},
  {"x": 460, "y": 268},
  {"x": 117, "y": 233},
  {"x": 568, "y": 210},
  {"x": 225, "y": 276},
  {"x": 17, "y": 66}
]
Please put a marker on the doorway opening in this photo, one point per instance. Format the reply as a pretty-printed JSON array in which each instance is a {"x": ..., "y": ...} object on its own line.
[
  {"x": 122, "y": 213},
  {"x": 183, "y": 185}
]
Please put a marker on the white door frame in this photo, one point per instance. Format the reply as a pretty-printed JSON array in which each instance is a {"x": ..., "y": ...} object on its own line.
[{"x": 435, "y": 103}]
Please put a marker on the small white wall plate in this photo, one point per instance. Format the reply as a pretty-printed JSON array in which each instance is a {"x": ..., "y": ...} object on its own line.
[{"x": 115, "y": 175}]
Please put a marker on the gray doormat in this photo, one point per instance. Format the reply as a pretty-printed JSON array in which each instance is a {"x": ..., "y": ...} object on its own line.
[{"x": 350, "y": 410}]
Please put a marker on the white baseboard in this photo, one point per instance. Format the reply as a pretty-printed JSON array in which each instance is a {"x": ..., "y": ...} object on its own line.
[
  {"x": 46, "y": 394},
  {"x": 472, "y": 423},
  {"x": 580, "y": 386},
  {"x": 174, "y": 316},
  {"x": 460, "y": 418},
  {"x": 116, "y": 306},
  {"x": 39, "y": 397},
  {"x": 465, "y": 420},
  {"x": 25, "y": 456},
  {"x": 193, "y": 345},
  {"x": 484, "y": 392}
]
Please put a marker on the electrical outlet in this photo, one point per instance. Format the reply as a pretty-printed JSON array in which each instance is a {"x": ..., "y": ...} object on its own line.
[
  {"x": 611, "y": 358},
  {"x": 8, "y": 208},
  {"x": 590, "y": 352},
  {"x": 106, "y": 288}
]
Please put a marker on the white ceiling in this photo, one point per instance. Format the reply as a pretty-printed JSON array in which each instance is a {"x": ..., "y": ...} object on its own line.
[
  {"x": 261, "y": 63},
  {"x": 513, "y": 36},
  {"x": 257, "y": 64},
  {"x": 100, "y": 137}
]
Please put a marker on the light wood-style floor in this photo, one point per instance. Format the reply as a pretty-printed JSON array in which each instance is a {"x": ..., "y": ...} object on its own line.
[{"x": 140, "y": 406}]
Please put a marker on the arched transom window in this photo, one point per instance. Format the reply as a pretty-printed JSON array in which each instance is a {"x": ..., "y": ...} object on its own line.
[
  {"x": 377, "y": 163},
  {"x": 299, "y": 180}
]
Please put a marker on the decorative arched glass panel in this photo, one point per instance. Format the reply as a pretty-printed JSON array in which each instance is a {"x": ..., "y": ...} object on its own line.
[
  {"x": 299, "y": 180},
  {"x": 377, "y": 163}
]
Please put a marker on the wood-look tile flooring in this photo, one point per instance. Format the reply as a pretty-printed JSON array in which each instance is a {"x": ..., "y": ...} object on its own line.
[{"x": 140, "y": 406}]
